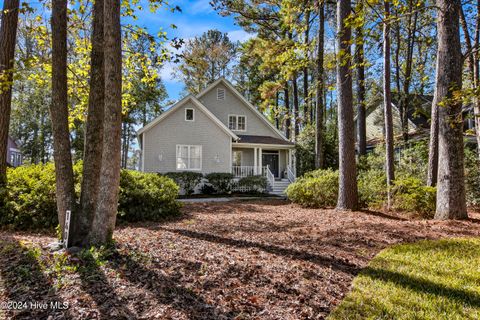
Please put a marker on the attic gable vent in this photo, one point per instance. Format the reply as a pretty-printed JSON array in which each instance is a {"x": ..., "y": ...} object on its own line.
[{"x": 220, "y": 94}]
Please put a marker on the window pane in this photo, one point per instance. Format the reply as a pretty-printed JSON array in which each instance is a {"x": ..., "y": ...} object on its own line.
[
  {"x": 194, "y": 152},
  {"x": 232, "y": 122},
  {"x": 189, "y": 114},
  {"x": 241, "y": 122},
  {"x": 195, "y": 163},
  {"x": 237, "y": 158}
]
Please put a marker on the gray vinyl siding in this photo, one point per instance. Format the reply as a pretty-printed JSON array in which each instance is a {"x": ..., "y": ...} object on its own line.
[
  {"x": 232, "y": 105},
  {"x": 174, "y": 130}
]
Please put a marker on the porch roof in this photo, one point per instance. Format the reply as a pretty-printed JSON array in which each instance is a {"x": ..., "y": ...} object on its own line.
[{"x": 263, "y": 140}]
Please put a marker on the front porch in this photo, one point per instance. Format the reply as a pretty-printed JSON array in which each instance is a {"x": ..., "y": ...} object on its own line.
[{"x": 275, "y": 163}]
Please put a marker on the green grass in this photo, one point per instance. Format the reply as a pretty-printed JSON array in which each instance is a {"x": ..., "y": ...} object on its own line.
[{"x": 424, "y": 280}]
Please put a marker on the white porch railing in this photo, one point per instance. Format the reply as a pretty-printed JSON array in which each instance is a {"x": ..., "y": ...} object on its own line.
[
  {"x": 270, "y": 177},
  {"x": 291, "y": 174},
  {"x": 247, "y": 171}
]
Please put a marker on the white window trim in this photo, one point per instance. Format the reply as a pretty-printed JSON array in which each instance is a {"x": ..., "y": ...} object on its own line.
[
  {"x": 189, "y": 146},
  {"x": 193, "y": 114},
  {"x": 236, "y": 122}
]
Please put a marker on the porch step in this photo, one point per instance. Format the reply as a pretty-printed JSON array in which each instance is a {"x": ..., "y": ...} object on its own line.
[{"x": 280, "y": 186}]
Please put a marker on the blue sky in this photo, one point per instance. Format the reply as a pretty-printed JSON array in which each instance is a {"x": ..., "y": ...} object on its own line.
[{"x": 196, "y": 17}]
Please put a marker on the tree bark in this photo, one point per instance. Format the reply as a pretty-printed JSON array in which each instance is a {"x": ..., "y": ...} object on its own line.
[
  {"x": 106, "y": 212},
  {"x": 451, "y": 186},
  {"x": 92, "y": 161},
  {"x": 361, "y": 90},
  {"x": 296, "y": 106},
  {"x": 288, "y": 121},
  {"x": 387, "y": 102},
  {"x": 65, "y": 189},
  {"x": 8, "y": 35},
  {"x": 306, "y": 102},
  {"x": 347, "y": 191},
  {"x": 319, "y": 145}
]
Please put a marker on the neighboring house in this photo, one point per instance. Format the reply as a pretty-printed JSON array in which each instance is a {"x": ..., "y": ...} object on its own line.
[
  {"x": 418, "y": 116},
  {"x": 14, "y": 155},
  {"x": 217, "y": 130}
]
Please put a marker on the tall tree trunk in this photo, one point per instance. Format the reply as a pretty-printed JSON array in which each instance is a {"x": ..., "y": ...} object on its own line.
[
  {"x": 319, "y": 149},
  {"x": 296, "y": 106},
  {"x": 451, "y": 186},
  {"x": 92, "y": 161},
  {"x": 288, "y": 120},
  {"x": 62, "y": 155},
  {"x": 306, "y": 102},
  {"x": 361, "y": 90},
  {"x": 105, "y": 215},
  {"x": 387, "y": 101},
  {"x": 8, "y": 35},
  {"x": 347, "y": 191},
  {"x": 277, "y": 115}
]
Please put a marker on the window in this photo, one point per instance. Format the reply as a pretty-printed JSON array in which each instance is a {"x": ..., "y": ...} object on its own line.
[
  {"x": 220, "y": 94},
  {"x": 238, "y": 123},
  {"x": 189, "y": 157},
  {"x": 189, "y": 116},
  {"x": 12, "y": 159},
  {"x": 237, "y": 158},
  {"x": 19, "y": 159}
]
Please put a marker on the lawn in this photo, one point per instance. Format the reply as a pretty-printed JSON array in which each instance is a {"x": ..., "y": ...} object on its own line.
[
  {"x": 424, "y": 280},
  {"x": 241, "y": 260}
]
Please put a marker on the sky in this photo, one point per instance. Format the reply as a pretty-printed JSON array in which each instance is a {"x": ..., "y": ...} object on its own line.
[{"x": 196, "y": 18}]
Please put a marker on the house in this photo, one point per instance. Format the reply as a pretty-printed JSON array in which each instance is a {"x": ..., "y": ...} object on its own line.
[
  {"x": 217, "y": 130},
  {"x": 14, "y": 155},
  {"x": 418, "y": 115}
]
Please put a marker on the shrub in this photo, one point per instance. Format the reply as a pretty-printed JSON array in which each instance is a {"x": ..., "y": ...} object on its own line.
[
  {"x": 207, "y": 189},
  {"x": 31, "y": 200},
  {"x": 222, "y": 182},
  {"x": 253, "y": 184},
  {"x": 31, "y": 197},
  {"x": 411, "y": 195},
  {"x": 372, "y": 188},
  {"x": 187, "y": 180},
  {"x": 146, "y": 196},
  {"x": 472, "y": 178},
  {"x": 318, "y": 189}
]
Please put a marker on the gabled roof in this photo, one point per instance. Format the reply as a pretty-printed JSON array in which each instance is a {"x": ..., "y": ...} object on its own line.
[
  {"x": 245, "y": 101},
  {"x": 178, "y": 105}
]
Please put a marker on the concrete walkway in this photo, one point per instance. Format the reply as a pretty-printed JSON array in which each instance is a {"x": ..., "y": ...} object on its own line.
[{"x": 197, "y": 200}]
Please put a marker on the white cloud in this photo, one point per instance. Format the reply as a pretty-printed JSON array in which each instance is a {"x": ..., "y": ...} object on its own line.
[{"x": 239, "y": 35}]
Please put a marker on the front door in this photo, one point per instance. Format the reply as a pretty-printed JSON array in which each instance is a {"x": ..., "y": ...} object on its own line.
[{"x": 271, "y": 160}]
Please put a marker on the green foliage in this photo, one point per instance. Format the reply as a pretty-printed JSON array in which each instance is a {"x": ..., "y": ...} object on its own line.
[
  {"x": 317, "y": 189},
  {"x": 146, "y": 196},
  {"x": 305, "y": 150},
  {"x": 187, "y": 180},
  {"x": 253, "y": 184},
  {"x": 222, "y": 182},
  {"x": 424, "y": 280},
  {"x": 372, "y": 180},
  {"x": 472, "y": 178},
  {"x": 411, "y": 195},
  {"x": 31, "y": 200}
]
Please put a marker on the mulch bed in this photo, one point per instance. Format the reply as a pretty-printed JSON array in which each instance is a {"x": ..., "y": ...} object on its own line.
[{"x": 241, "y": 260}]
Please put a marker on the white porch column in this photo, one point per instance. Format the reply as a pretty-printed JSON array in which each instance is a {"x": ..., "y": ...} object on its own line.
[
  {"x": 290, "y": 158},
  {"x": 255, "y": 158},
  {"x": 260, "y": 161}
]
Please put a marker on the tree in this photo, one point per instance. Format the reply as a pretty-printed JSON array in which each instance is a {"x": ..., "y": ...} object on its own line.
[
  {"x": 320, "y": 87},
  {"x": 347, "y": 191},
  {"x": 387, "y": 101},
  {"x": 65, "y": 189},
  {"x": 107, "y": 202},
  {"x": 451, "y": 186},
  {"x": 8, "y": 35},
  {"x": 205, "y": 59},
  {"x": 92, "y": 161},
  {"x": 361, "y": 88}
]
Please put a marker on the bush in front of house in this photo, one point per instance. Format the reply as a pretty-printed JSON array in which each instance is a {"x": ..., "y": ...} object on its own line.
[
  {"x": 316, "y": 189},
  {"x": 146, "y": 196},
  {"x": 472, "y": 178},
  {"x": 253, "y": 184},
  {"x": 30, "y": 196},
  {"x": 187, "y": 180},
  {"x": 411, "y": 195},
  {"x": 222, "y": 182}
]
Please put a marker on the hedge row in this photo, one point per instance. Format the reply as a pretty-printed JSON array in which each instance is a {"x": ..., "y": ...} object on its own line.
[{"x": 30, "y": 196}]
